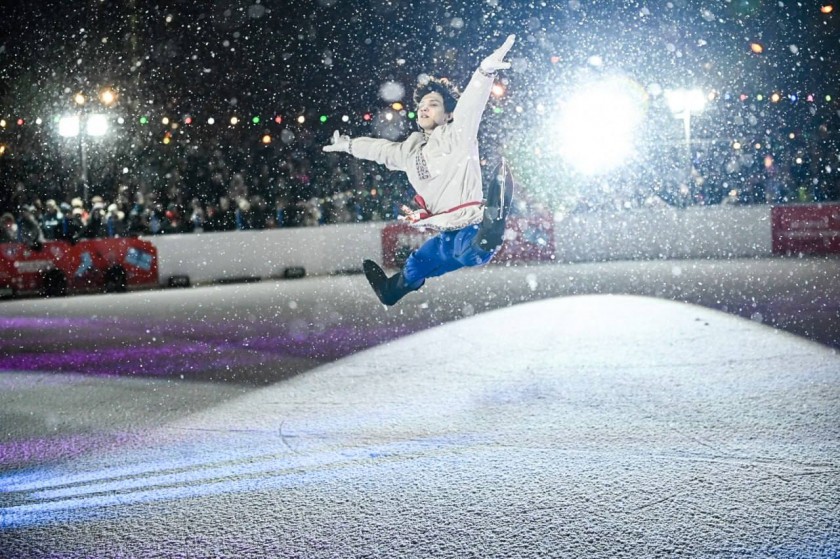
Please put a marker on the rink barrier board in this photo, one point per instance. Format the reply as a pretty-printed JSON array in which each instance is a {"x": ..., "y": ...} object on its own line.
[{"x": 643, "y": 234}]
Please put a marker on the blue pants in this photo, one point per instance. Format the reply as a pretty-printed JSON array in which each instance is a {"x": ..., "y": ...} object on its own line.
[{"x": 445, "y": 252}]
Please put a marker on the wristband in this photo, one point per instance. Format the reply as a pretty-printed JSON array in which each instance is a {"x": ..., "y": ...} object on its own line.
[{"x": 485, "y": 73}]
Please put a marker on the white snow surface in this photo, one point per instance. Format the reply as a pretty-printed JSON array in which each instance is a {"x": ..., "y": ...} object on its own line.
[{"x": 587, "y": 426}]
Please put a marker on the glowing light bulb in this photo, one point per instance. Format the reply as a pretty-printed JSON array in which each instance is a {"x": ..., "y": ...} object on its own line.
[{"x": 107, "y": 96}]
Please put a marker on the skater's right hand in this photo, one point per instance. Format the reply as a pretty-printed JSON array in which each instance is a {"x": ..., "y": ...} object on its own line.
[
  {"x": 339, "y": 143},
  {"x": 495, "y": 61}
]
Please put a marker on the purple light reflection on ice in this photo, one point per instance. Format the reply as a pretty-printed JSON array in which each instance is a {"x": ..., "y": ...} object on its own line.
[
  {"x": 43, "y": 449},
  {"x": 119, "y": 347}
]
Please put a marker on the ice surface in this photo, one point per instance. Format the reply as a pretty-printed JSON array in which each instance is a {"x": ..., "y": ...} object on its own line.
[{"x": 606, "y": 426}]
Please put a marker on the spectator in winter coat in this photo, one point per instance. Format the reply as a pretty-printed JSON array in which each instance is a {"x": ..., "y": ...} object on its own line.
[
  {"x": 52, "y": 221},
  {"x": 8, "y": 228},
  {"x": 114, "y": 222},
  {"x": 29, "y": 231},
  {"x": 223, "y": 218}
]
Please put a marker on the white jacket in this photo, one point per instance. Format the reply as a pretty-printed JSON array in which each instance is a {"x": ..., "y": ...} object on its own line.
[{"x": 445, "y": 169}]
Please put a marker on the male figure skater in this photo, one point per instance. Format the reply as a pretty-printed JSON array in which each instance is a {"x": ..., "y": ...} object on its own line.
[{"x": 442, "y": 165}]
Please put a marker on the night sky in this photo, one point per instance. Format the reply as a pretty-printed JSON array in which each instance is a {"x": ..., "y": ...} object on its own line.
[{"x": 195, "y": 56}]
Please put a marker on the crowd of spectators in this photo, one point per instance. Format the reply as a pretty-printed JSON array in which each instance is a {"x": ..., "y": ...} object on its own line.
[
  {"x": 146, "y": 215},
  {"x": 205, "y": 187}
]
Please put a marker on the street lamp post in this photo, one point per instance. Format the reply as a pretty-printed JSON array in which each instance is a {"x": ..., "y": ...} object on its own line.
[
  {"x": 80, "y": 102},
  {"x": 81, "y": 125},
  {"x": 684, "y": 102}
]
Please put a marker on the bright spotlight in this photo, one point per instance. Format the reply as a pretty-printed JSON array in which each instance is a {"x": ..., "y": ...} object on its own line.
[
  {"x": 97, "y": 125},
  {"x": 68, "y": 126},
  {"x": 596, "y": 128}
]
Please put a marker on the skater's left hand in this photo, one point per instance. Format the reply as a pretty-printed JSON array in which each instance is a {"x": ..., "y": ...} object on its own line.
[{"x": 495, "y": 62}]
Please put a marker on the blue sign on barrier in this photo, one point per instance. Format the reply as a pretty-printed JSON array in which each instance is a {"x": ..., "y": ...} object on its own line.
[{"x": 139, "y": 259}]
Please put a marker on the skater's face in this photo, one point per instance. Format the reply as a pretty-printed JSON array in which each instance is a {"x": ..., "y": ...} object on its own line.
[{"x": 431, "y": 113}]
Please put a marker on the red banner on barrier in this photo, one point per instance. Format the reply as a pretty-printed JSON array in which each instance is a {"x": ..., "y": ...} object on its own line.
[
  {"x": 807, "y": 229},
  {"x": 527, "y": 239},
  {"x": 398, "y": 241}
]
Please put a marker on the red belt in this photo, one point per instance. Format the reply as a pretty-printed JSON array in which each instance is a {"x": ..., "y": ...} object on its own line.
[{"x": 425, "y": 213}]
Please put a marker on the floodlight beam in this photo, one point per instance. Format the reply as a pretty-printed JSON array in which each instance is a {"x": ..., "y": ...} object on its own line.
[
  {"x": 68, "y": 126},
  {"x": 97, "y": 125},
  {"x": 597, "y": 126}
]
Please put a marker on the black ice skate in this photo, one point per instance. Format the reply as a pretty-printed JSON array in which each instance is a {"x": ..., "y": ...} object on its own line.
[
  {"x": 496, "y": 209},
  {"x": 388, "y": 290},
  {"x": 500, "y": 193}
]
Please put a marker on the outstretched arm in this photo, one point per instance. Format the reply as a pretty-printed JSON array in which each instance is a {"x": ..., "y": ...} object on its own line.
[
  {"x": 470, "y": 107},
  {"x": 384, "y": 152}
]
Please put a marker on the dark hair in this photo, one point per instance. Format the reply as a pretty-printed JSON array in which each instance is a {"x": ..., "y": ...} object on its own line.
[{"x": 443, "y": 86}]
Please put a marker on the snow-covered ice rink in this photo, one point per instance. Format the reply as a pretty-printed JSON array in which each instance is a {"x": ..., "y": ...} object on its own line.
[{"x": 581, "y": 425}]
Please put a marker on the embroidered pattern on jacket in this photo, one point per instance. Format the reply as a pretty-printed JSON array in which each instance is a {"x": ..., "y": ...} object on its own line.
[{"x": 422, "y": 167}]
